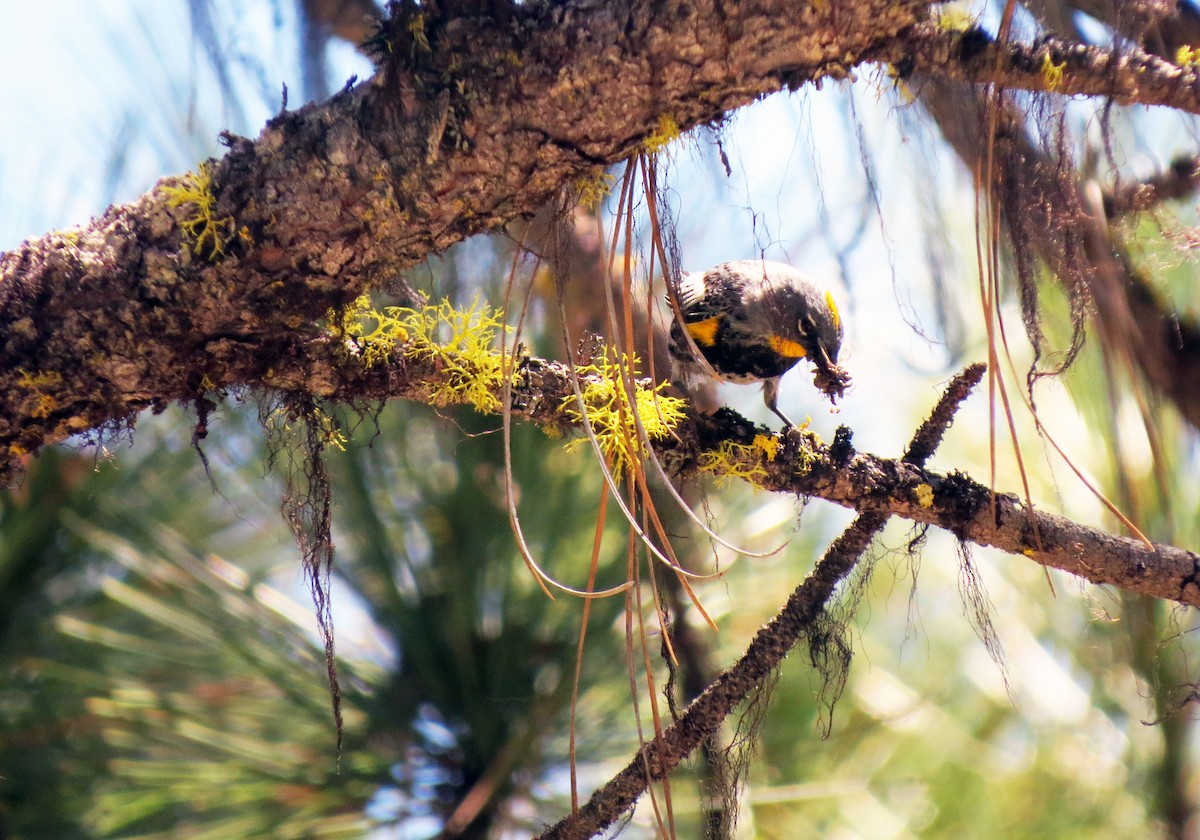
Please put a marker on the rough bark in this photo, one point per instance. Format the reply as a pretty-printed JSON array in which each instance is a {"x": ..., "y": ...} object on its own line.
[
  {"x": 1125, "y": 75},
  {"x": 472, "y": 122}
]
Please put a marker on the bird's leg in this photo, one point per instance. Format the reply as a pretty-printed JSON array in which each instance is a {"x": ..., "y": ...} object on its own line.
[{"x": 770, "y": 395}]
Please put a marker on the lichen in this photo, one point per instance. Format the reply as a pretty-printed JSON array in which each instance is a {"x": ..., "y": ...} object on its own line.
[
  {"x": 39, "y": 383},
  {"x": 664, "y": 135},
  {"x": 208, "y": 234},
  {"x": 283, "y": 421},
  {"x": 955, "y": 17},
  {"x": 924, "y": 495},
  {"x": 746, "y": 461},
  {"x": 460, "y": 342},
  {"x": 769, "y": 444},
  {"x": 614, "y": 416},
  {"x": 1052, "y": 74},
  {"x": 732, "y": 460},
  {"x": 593, "y": 187}
]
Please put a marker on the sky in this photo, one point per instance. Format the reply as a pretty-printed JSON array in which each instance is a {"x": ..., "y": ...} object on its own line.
[{"x": 124, "y": 95}]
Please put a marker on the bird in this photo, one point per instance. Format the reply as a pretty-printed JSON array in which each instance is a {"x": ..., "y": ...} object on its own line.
[{"x": 752, "y": 321}]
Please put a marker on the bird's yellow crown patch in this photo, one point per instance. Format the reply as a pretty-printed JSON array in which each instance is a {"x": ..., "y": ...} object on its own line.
[{"x": 833, "y": 310}]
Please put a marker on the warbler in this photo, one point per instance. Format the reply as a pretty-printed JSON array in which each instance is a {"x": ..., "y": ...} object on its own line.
[{"x": 752, "y": 321}]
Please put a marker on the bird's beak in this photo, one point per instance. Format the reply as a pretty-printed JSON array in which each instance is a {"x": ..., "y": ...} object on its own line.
[{"x": 829, "y": 378}]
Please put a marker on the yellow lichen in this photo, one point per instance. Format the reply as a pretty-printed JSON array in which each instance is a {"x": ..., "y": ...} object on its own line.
[
  {"x": 208, "y": 234},
  {"x": 664, "y": 135},
  {"x": 614, "y": 416},
  {"x": 374, "y": 333},
  {"x": 769, "y": 444},
  {"x": 329, "y": 432},
  {"x": 955, "y": 17},
  {"x": 1052, "y": 74},
  {"x": 461, "y": 342},
  {"x": 924, "y": 495},
  {"x": 593, "y": 188},
  {"x": 44, "y": 403},
  {"x": 1187, "y": 56},
  {"x": 39, "y": 381},
  {"x": 733, "y": 460}
]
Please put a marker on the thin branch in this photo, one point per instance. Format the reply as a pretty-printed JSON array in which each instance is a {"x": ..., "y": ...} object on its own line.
[
  {"x": 1126, "y": 74},
  {"x": 803, "y": 466},
  {"x": 1178, "y": 181}
]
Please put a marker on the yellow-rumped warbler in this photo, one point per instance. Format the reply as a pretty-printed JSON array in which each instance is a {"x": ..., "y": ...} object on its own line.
[{"x": 752, "y": 320}]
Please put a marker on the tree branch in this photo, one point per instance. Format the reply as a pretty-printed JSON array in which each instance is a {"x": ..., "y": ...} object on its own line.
[
  {"x": 803, "y": 466},
  {"x": 470, "y": 123},
  {"x": 133, "y": 311},
  {"x": 1124, "y": 74},
  {"x": 1179, "y": 180},
  {"x": 1047, "y": 213}
]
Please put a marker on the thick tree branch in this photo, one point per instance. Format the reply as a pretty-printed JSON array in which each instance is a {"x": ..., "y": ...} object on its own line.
[
  {"x": 469, "y": 125},
  {"x": 471, "y": 122}
]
